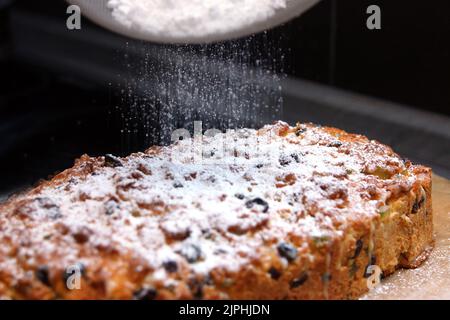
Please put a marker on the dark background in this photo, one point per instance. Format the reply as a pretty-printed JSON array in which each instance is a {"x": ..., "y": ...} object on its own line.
[
  {"x": 408, "y": 61},
  {"x": 56, "y": 100}
]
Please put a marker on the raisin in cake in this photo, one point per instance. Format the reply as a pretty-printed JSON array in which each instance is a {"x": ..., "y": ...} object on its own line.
[{"x": 277, "y": 213}]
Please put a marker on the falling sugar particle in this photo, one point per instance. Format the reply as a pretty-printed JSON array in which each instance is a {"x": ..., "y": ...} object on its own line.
[{"x": 227, "y": 85}]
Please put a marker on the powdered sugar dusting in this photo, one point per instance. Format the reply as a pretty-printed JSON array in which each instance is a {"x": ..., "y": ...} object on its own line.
[
  {"x": 294, "y": 184},
  {"x": 192, "y": 18}
]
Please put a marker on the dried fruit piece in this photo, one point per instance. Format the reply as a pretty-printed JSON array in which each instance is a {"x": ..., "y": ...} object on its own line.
[
  {"x": 111, "y": 207},
  {"x": 297, "y": 282},
  {"x": 112, "y": 161},
  {"x": 196, "y": 285},
  {"x": 353, "y": 268},
  {"x": 326, "y": 277},
  {"x": 171, "y": 266},
  {"x": 300, "y": 131},
  {"x": 42, "y": 275},
  {"x": 373, "y": 261},
  {"x": 335, "y": 144},
  {"x": 191, "y": 253},
  {"x": 284, "y": 160},
  {"x": 287, "y": 251},
  {"x": 320, "y": 241},
  {"x": 146, "y": 293},
  {"x": 178, "y": 185},
  {"x": 420, "y": 200},
  {"x": 359, "y": 245},
  {"x": 275, "y": 274},
  {"x": 240, "y": 196},
  {"x": 258, "y": 201}
]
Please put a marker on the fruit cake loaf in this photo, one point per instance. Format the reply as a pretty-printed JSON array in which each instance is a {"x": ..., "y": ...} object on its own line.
[{"x": 277, "y": 213}]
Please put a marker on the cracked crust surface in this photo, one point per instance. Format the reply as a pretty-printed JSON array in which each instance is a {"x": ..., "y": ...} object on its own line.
[{"x": 277, "y": 213}]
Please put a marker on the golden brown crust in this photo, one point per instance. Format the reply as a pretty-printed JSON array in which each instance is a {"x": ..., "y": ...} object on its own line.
[{"x": 282, "y": 213}]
